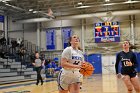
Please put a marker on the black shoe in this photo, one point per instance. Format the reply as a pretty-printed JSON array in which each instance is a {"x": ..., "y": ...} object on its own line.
[
  {"x": 36, "y": 83},
  {"x": 41, "y": 83}
]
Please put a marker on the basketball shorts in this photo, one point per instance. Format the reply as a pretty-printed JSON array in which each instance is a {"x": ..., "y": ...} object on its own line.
[
  {"x": 131, "y": 75},
  {"x": 67, "y": 77},
  {"x": 129, "y": 71}
]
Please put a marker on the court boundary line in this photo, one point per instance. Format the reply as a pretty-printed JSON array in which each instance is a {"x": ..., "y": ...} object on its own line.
[{"x": 19, "y": 85}]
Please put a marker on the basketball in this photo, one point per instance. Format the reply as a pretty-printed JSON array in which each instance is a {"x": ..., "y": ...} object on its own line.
[{"x": 87, "y": 69}]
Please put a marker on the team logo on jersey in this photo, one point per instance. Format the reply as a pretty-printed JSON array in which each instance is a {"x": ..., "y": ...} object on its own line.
[
  {"x": 77, "y": 58},
  {"x": 125, "y": 59}
]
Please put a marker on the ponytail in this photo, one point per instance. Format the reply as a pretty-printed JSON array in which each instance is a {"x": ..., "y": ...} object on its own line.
[
  {"x": 69, "y": 44},
  {"x": 131, "y": 45}
]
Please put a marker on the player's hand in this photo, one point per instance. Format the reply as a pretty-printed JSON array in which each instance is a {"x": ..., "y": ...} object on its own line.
[
  {"x": 82, "y": 64},
  {"x": 43, "y": 65},
  {"x": 33, "y": 64},
  {"x": 119, "y": 76},
  {"x": 77, "y": 66},
  {"x": 129, "y": 63}
]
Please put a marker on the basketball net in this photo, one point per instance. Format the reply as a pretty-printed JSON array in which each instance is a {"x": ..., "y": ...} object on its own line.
[{"x": 108, "y": 17}]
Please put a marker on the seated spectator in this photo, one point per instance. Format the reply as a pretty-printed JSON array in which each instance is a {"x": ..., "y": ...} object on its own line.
[
  {"x": 47, "y": 61},
  {"x": 51, "y": 67}
]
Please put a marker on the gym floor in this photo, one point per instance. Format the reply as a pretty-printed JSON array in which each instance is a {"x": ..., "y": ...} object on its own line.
[{"x": 94, "y": 84}]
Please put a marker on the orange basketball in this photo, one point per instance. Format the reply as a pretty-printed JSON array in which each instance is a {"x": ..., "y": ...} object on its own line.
[{"x": 87, "y": 69}]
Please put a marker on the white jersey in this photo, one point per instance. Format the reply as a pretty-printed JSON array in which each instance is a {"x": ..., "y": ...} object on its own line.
[
  {"x": 74, "y": 56},
  {"x": 69, "y": 76}
]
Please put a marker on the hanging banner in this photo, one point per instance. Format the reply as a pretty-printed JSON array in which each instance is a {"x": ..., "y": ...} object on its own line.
[
  {"x": 50, "y": 38},
  {"x": 1, "y": 18},
  {"x": 1, "y": 23},
  {"x": 107, "y": 32},
  {"x": 66, "y": 34}
]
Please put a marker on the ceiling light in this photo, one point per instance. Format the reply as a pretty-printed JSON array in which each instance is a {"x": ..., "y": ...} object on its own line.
[
  {"x": 129, "y": 1},
  {"x": 109, "y": 4},
  {"x": 83, "y": 6},
  {"x": 8, "y": 4},
  {"x": 34, "y": 11},
  {"x": 30, "y": 10},
  {"x": 80, "y": 3},
  {"x": 107, "y": 0},
  {"x": 4, "y": 0}
]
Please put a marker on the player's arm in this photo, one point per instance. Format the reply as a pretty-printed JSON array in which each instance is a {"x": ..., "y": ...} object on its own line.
[
  {"x": 134, "y": 61},
  {"x": 33, "y": 63},
  {"x": 117, "y": 63}
]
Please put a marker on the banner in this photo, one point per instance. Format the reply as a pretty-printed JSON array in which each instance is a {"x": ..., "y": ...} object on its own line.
[
  {"x": 107, "y": 32},
  {"x": 1, "y": 23},
  {"x": 50, "y": 36},
  {"x": 66, "y": 34}
]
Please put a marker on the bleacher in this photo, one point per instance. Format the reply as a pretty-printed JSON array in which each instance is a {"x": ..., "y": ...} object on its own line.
[
  {"x": 15, "y": 68},
  {"x": 14, "y": 73}
]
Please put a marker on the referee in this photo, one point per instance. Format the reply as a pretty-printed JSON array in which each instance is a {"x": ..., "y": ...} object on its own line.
[{"x": 38, "y": 63}]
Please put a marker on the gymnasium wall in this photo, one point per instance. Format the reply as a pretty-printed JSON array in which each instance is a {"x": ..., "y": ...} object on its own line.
[
  {"x": 12, "y": 26},
  {"x": 16, "y": 29},
  {"x": 88, "y": 25},
  {"x": 43, "y": 39},
  {"x": 108, "y": 64},
  {"x": 137, "y": 28},
  {"x": 76, "y": 28},
  {"x": 105, "y": 64}
]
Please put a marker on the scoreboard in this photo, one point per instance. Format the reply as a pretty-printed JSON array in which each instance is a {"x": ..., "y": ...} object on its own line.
[{"x": 107, "y": 32}]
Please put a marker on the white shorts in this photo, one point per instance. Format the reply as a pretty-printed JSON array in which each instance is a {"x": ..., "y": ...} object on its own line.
[{"x": 67, "y": 77}]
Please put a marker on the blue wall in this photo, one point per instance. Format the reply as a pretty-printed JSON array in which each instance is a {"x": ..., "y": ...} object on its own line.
[
  {"x": 95, "y": 60},
  {"x": 138, "y": 61}
]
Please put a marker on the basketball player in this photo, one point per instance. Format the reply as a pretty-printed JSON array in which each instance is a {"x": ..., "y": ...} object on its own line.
[
  {"x": 38, "y": 63},
  {"x": 128, "y": 72},
  {"x": 69, "y": 78}
]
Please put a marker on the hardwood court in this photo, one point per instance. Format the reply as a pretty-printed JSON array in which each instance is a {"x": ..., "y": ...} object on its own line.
[{"x": 94, "y": 84}]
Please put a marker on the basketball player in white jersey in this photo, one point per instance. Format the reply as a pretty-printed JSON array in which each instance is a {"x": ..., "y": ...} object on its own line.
[{"x": 69, "y": 78}]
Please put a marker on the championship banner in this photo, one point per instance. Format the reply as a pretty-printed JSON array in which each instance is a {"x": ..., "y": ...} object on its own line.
[
  {"x": 66, "y": 34},
  {"x": 1, "y": 23},
  {"x": 107, "y": 32},
  {"x": 50, "y": 38}
]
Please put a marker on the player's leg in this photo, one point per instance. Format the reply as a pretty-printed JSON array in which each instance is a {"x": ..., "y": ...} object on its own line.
[
  {"x": 62, "y": 87},
  {"x": 37, "y": 70},
  {"x": 136, "y": 83},
  {"x": 81, "y": 80},
  {"x": 40, "y": 77},
  {"x": 74, "y": 88},
  {"x": 128, "y": 83},
  {"x": 63, "y": 91}
]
